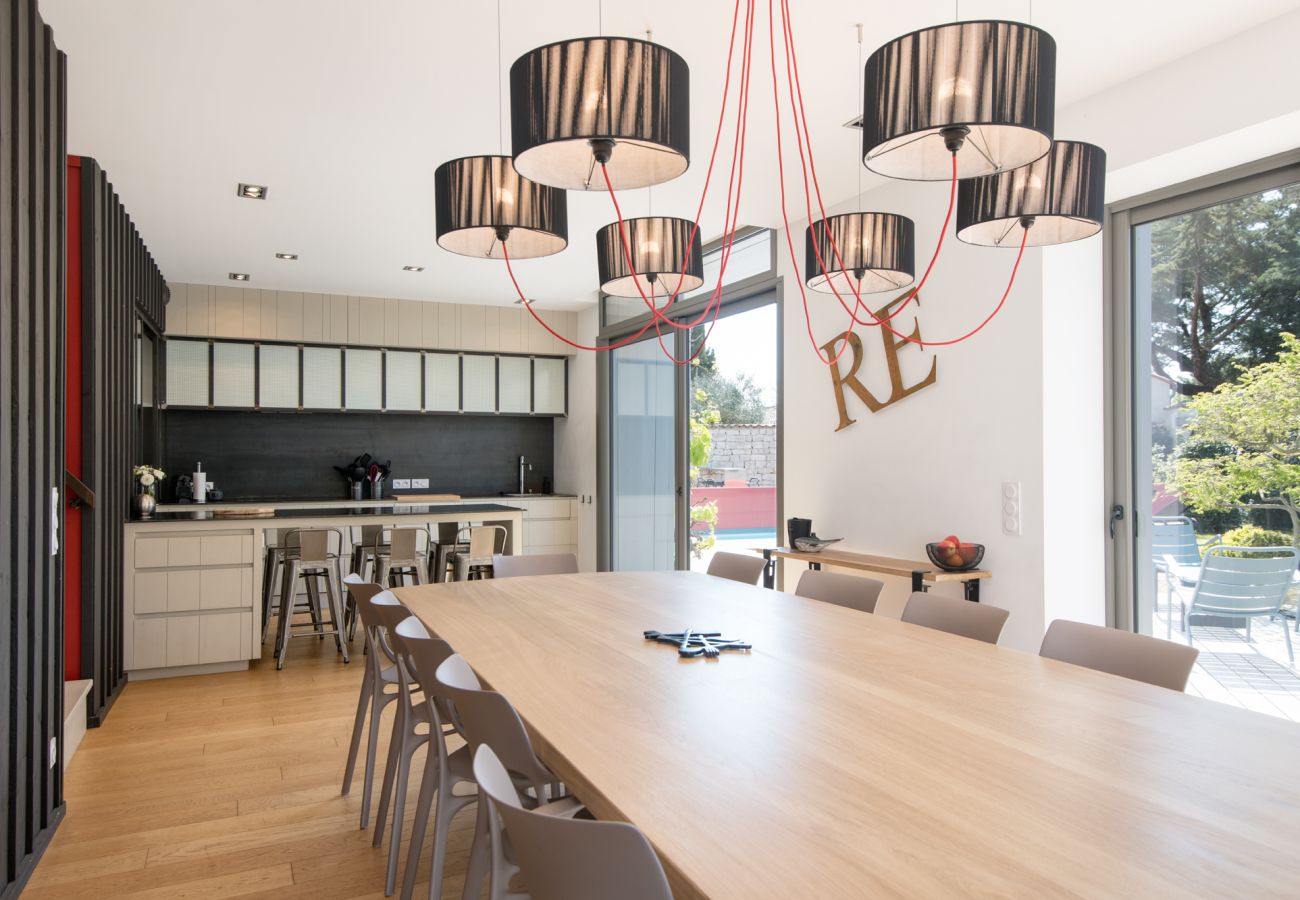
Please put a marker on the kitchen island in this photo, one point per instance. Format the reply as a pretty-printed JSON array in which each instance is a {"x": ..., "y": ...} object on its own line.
[{"x": 193, "y": 574}]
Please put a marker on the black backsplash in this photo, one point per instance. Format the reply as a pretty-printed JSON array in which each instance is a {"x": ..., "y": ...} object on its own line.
[{"x": 291, "y": 456}]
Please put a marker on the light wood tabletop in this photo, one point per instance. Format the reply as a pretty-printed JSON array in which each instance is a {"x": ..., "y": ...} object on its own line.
[{"x": 852, "y": 755}]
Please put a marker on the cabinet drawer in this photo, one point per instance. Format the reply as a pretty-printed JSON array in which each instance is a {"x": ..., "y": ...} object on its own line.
[
  {"x": 183, "y": 590},
  {"x": 549, "y": 508},
  {"x": 226, "y": 588},
  {"x": 148, "y": 644},
  {"x": 150, "y": 553},
  {"x": 225, "y": 637},
  {"x": 184, "y": 551},
  {"x": 183, "y": 640},
  {"x": 550, "y": 532},
  {"x": 150, "y": 592},
  {"x": 224, "y": 549}
]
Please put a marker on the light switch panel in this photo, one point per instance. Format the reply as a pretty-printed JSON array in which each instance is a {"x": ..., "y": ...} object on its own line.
[{"x": 1011, "y": 507}]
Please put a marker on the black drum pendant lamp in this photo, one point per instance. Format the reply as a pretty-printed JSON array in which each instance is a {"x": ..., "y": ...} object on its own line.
[
  {"x": 1060, "y": 198},
  {"x": 985, "y": 88},
  {"x": 661, "y": 249},
  {"x": 877, "y": 252},
  {"x": 618, "y": 100},
  {"x": 481, "y": 203}
]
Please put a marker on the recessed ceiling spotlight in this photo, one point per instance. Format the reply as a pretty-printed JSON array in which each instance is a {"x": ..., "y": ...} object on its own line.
[
  {"x": 286, "y": 256},
  {"x": 239, "y": 276},
  {"x": 251, "y": 191},
  {"x": 412, "y": 268}
]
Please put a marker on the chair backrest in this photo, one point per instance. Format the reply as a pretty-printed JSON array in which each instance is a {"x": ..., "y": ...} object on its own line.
[
  {"x": 315, "y": 543},
  {"x": 424, "y": 654},
  {"x": 404, "y": 543},
  {"x": 362, "y": 593},
  {"x": 839, "y": 589},
  {"x": 485, "y": 540},
  {"x": 737, "y": 567},
  {"x": 1174, "y": 537},
  {"x": 565, "y": 858},
  {"x": 542, "y": 564},
  {"x": 372, "y": 535},
  {"x": 447, "y": 532},
  {"x": 488, "y": 718},
  {"x": 955, "y": 616},
  {"x": 1244, "y": 580},
  {"x": 1123, "y": 653}
]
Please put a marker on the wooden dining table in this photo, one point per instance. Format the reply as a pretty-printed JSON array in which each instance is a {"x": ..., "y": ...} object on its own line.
[{"x": 853, "y": 755}]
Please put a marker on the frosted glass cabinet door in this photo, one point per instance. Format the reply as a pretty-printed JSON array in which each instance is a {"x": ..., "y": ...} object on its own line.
[
  {"x": 363, "y": 379},
  {"x": 277, "y": 377},
  {"x": 322, "y": 377},
  {"x": 516, "y": 389},
  {"x": 233, "y": 383},
  {"x": 187, "y": 373},
  {"x": 402, "y": 380},
  {"x": 549, "y": 387},
  {"x": 442, "y": 382},
  {"x": 478, "y": 383}
]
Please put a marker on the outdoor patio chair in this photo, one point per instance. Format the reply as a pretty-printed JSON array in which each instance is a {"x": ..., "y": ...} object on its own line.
[
  {"x": 1176, "y": 555},
  {"x": 1240, "y": 583}
]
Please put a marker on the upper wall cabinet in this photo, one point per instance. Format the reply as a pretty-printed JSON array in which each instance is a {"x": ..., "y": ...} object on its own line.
[
  {"x": 265, "y": 376},
  {"x": 254, "y": 314}
]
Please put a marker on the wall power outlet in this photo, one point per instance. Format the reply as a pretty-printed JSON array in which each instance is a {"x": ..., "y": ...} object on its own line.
[
  {"x": 401, "y": 484},
  {"x": 420, "y": 483}
]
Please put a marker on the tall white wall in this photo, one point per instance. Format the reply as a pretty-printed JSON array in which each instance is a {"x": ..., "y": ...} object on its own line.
[{"x": 575, "y": 438}]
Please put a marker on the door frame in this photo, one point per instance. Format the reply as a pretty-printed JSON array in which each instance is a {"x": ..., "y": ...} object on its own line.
[
  {"x": 738, "y": 296},
  {"x": 1120, "y": 352}
]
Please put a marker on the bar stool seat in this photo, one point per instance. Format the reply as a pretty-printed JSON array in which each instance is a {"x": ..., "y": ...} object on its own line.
[{"x": 314, "y": 561}]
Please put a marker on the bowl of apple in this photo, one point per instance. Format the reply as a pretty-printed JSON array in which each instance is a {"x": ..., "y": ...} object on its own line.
[{"x": 954, "y": 555}]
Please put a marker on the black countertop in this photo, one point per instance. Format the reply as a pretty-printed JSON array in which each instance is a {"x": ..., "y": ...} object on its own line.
[{"x": 200, "y": 514}]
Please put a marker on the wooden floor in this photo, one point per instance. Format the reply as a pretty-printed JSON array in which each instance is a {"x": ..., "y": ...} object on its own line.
[{"x": 228, "y": 786}]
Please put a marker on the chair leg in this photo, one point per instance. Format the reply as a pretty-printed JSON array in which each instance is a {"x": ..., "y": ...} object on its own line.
[
  {"x": 409, "y": 746},
  {"x": 390, "y": 769},
  {"x": 358, "y": 725},
  {"x": 1187, "y": 626},
  {"x": 381, "y": 700},
  {"x": 284, "y": 630},
  {"x": 421, "y": 824},
  {"x": 1249, "y": 639},
  {"x": 1289, "y": 652},
  {"x": 476, "y": 871},
  {"x": 313, "y": 603},
  {"x": 336, "y": 612}
]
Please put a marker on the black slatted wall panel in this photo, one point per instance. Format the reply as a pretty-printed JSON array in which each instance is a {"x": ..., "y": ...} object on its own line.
[
  {"x": 120, "y": 283},
  {"x": 32, "y": 232}
]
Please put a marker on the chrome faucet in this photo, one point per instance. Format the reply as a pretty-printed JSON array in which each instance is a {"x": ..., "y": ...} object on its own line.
[{"x": 523, "y": 462}]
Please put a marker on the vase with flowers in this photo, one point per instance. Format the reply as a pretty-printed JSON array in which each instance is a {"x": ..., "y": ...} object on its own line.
[{"x": 146, "y": 486}]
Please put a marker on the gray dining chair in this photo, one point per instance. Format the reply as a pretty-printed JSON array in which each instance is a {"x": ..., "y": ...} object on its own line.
[
  {"x": 379, "y": 685},
  {"x": 1240, "y": 583},
  {"x": 542, "y": 564},
  {"x": 1175, "y": 554},
  {"x": 563, "y": 858},
  {"x": 486, "y": 718},
  {"x": 1123, "y": 653},
  {"x": 956, "y": 616},
  {"x": 737, "y": 567},
  {"x": 840, "y": 590}
]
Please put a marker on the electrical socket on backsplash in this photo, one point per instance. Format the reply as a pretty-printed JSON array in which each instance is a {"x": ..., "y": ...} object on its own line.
[
  {"x": 420, "y": 483},
  {"x": 401, "y": 484}
]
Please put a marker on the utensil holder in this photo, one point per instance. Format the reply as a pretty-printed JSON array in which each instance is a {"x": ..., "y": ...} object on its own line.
[
  {"x": 377, "y": 489},
  {"x": 356, "y": 489}
]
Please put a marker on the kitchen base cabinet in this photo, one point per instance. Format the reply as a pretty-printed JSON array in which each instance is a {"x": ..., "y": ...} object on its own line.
[
  {"x": 550, "y": 525},
  {"x": 189, "y": 599}
]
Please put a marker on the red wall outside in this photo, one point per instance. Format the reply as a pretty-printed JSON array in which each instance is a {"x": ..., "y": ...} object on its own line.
[
  {"x": 740, "y": 507},
  {"x": 72, "y": 432}
]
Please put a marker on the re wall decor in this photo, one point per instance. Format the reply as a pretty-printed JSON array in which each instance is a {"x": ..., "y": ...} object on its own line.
[{"x": 891, "y": 344}]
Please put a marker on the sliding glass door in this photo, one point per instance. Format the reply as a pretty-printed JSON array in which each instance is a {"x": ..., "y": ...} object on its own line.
[
  {"x": 1207, "y": 431},
  {"x": 689, "y": 453},
  {"x": 643, "y": 426}
]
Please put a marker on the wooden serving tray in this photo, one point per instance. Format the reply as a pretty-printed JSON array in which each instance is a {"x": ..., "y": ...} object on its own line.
[
  {"x": 255, "y": 512},
  {"x": 425, "y": 498}
]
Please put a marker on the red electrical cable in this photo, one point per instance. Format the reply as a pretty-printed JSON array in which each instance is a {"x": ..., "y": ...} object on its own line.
[{"x": 796, "y": 86}]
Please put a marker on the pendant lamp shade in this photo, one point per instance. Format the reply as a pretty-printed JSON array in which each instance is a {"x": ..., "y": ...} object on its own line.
[
  {"x": 1064, "y": 193},
  {"x": 991, "y": 84},
  {"x": 661, "y": 248},
  {"x": 877, "y": 252},
  {"x": 575, "y": 100},
  {"x": 479, "y": 200}
]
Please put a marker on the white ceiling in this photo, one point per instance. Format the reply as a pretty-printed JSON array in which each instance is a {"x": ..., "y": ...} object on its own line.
[{"x": 345, "y": 109}]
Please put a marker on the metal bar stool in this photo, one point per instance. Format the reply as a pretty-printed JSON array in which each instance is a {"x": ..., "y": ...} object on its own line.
[
  {"x": 405, "y": 558},
  {"x": 315, "y": 561},
  {"x": 272, "y": 567},
  {"x": 367, "y": 551},
  {"x": 476, "y": 561},
  {"x": 443, "y": 548}
]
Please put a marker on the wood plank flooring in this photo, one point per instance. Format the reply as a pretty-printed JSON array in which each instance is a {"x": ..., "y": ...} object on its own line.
[{"x": 228, "y": 786}]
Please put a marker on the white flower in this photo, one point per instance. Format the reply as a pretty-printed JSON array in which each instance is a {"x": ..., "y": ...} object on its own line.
[{"x": 146, "y": 479}]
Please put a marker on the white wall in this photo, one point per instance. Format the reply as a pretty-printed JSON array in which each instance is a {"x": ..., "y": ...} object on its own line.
[{"x": 575, "y": 438}]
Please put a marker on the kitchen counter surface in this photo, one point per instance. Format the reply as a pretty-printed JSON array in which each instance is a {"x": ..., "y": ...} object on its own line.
[
  {"x": 206, "y": 512},
  {"x": 334, "y": 503}
]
